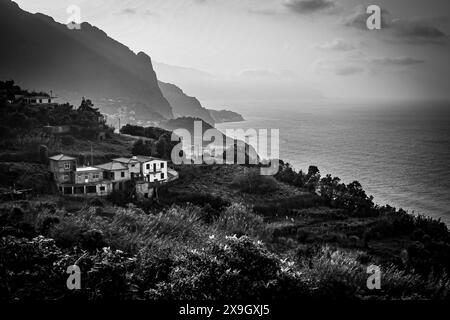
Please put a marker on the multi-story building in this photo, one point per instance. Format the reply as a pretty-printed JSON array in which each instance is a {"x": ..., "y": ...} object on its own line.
[
  {"x": 153, "y": 169},
  {"x": 104, "y": 178},
  {"x": 117, "y": 173},
  {"x": 133, "y": 165},
  {"x": 63, "y": 168}
]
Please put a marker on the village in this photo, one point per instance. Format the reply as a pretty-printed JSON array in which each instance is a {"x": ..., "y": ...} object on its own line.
[{"x": 138, "y": 174}]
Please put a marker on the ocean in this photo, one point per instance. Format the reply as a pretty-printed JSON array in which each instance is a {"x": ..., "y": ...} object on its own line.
[{"x": 400, "y": 154}]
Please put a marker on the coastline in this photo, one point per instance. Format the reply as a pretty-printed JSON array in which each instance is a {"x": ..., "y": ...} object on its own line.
[{"x": 394, "y": 173}]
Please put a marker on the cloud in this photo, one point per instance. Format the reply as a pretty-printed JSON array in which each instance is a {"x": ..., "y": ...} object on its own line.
[
  {"x": 286, "y": 74},
  {"x": 396, "y": 62},
  {"x": 416, "y": 31},
  {"x": 309, "y": 6},
  {"x": 337, "y": 67},
  {"x": 357, "y": 19},
  {"x": 356, "y": 65},
  {"x": 348, "y": 70},
  {"x": 413, "y": 31},
  {"x": 135, "y": 11},
  {"x": 336, "y": 45},
  {"x": 263, "y": 12}
]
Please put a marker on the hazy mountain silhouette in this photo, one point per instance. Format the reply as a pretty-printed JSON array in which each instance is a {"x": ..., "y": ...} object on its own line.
[
  {"x": 41, "y": 54},
  {"x": 220, "y": 116},
  {"x": 184, "y": 105}
]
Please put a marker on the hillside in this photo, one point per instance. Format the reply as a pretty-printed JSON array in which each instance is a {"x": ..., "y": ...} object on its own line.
[
  {"x": 221, "y": 116},
  {"x": 184, "y": 105},
  {"x": 101, "y": 68}
]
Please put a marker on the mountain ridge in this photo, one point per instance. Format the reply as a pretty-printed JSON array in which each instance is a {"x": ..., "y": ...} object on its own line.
[{"x": 44, "y": 54}]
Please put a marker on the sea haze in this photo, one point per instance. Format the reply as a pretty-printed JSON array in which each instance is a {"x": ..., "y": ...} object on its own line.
[{"x": 399, "y": 153}]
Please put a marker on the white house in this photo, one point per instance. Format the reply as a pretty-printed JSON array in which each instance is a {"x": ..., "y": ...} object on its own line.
[
  {"x": 37, "y": 99},
  {"x": 153, "y": 169}
]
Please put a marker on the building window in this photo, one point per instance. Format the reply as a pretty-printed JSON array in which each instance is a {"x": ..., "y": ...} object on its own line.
[
  {"x": 40, "y": 100},
  {"x": 48, "y": 100},
  {"x": 67, "y": 166},
  {"x": 162, "y": 176},
  {"x": 96, "y": 176},
  {"x": 154, "y": 167},
  {"x": 66, "y": 177},
  {"x": 148, "y": 166},
  {"x": 102, "y": 188},
  {"x": 162, "y": 165},
  {"x": 132, "y": 165},
  {"x": 122, "y": 174}
]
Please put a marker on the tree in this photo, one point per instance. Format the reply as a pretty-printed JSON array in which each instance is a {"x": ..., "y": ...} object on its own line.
[{"x": 143, "y": 148}]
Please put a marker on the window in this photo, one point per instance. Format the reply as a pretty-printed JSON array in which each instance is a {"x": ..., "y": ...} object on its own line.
[
  {"x": 67, "y": 166},
  {"x": 122, "y": 174},
  {"x": 154, "y": 167},
  {"x": 132, "y": 165},
  {"x": 40, "y": 100},
  {"x": 48, "y": 100},
  {"x": 162, "y": 165},
  {"x": 162, "y": 176},
  {"x": 147, "y": 166},
  {"x": 102, "y": 188},
  {"x": 86, "y": 177},
  {"x": 66, "y": 177},
  {"x": 96, "y": 176}
]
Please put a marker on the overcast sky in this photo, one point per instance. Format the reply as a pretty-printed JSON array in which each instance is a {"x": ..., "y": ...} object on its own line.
[{"x": 297, "y": 49}]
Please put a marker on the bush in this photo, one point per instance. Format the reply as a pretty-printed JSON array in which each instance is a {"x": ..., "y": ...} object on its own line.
[
  {"x": 253, "y": 182},
  {"x": 67, "y": 140},
  {"x": 240, "y": 220},
  {"x": 233, "y": 268}
]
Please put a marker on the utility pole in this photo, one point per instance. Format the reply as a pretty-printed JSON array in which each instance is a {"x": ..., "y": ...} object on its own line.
[
  {"x": 119, "y": 125},
  {"x": 92, "y": 156}
]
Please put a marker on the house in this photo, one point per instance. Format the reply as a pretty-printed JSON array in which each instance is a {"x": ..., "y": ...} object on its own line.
[
  {"x": 87, "y": 184},
  {"x": 63, "y": 168},
  {"x": 133, "y": 165},
  {"x": 117, "y": 173},
  {"x": 153, "y": 169},
  {"x": 88, "y": 175},
  {"x": 37, "y": 99},
  {"x": 143, "y": 190},
  {"x": 105, "y": 178}
]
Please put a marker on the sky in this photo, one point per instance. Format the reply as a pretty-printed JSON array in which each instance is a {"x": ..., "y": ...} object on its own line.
[{"x": 250, "y": 52}]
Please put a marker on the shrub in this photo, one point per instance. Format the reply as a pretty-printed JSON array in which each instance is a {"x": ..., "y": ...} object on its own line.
[
  {"x": 233, "y": 268},
  {"x": 240, "y": 220},
  {"x": 67, "y": 140},
  {"x": 253, "y": 182}
]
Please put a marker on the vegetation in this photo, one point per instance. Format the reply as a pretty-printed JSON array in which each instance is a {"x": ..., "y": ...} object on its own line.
[
  {"x": 218, "y": 232},
  {"x": 124, "y": 253},
  {"x": 253, "y": 182}
]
